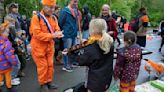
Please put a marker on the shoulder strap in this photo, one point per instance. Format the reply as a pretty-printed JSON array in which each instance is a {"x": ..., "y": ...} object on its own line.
[
  {"x": 54, "y": 18},
  {"x": 46, "y": 22}
]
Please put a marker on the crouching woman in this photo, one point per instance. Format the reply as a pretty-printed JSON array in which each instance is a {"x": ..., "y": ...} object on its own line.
[{"x": 98, "y": 56}]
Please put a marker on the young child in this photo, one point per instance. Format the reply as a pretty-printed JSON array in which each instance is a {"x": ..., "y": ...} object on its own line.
[
  {"x": 12, "y": 36},
  {"x": 98, "y": 57},
  {"x": 20, "y": 41},
  {"x": 128, "y": 63},
  {"x": 7, "y": 57}
]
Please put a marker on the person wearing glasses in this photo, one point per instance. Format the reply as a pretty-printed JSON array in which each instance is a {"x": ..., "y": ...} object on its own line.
[{"x": 44, "y": 29}]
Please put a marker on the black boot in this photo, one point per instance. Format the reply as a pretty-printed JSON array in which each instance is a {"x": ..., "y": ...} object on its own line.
[
  {"x": 52, "y": 86},
  {"x": 44, "y": 88}
]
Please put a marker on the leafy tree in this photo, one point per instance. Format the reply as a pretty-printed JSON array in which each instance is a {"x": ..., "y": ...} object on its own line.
[
  {"x": 25, "y": 6},
  {"x": 127, "y": 8}
]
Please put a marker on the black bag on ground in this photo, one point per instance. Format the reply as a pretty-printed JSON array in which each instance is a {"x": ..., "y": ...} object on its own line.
[{"x": 78, "y": 88}]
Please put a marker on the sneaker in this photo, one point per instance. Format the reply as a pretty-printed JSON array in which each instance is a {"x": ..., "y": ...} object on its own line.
[
  {"x": 15, "y": 82},
  {"x": 67, "y": 69},
  {"x": 68, "y": 90},
  {"x": 16, "y": 79},
  {"x": 75, "y": 66},
  {"x": 1, "y": 83},
  {"x": 52, "y": 86}
]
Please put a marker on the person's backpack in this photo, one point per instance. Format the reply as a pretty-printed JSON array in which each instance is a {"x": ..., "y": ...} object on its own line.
[{"x": 134, "y": 24}]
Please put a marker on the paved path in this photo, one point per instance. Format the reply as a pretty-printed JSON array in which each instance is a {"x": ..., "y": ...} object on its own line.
[{"x": 65, "y": 79}]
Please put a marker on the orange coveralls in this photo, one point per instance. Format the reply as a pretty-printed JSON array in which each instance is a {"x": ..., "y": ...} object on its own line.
[{"x": 42, "y": 47}]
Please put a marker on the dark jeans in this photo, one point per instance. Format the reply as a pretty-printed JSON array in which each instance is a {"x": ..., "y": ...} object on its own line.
[{"x": 22, "y": 59}]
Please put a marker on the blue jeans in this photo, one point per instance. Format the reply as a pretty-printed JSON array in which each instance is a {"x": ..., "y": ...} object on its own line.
[
  {"x": 85, "y": 34},
  {"x": 15, "y": 69},
  {"x": 68, "y": 42}
]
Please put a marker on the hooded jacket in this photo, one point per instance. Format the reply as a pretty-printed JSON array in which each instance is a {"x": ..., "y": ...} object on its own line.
[
  {"x": 68, "y": 23},
  {"x": 7, "y": 57}
]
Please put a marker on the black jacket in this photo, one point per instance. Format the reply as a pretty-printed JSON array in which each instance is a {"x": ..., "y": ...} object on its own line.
[
  {"x": 86, "y": 19},
  {"x": 100, "y": 67}
]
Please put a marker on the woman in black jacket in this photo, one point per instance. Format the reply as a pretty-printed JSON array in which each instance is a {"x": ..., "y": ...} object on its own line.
[
  {"x": 98, "y": 56},
  {"x": 86, "y": 19}
]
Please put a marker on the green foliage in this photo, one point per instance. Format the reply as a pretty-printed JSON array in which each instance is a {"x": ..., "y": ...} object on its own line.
[
  {"x": 127, "y": 8},
  {"x": 94, "y": 5},
  {"x": 26, "y": 6},
  {"x": 123, "y": 9}
]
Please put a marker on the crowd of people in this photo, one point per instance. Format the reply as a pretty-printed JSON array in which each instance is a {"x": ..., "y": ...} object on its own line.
[
  {"x": 16, "y": 34},
  {"x": 54, "y": 30}
]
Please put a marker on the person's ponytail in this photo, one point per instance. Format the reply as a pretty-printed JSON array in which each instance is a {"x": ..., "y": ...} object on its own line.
[{"x": 105, "y": 42}]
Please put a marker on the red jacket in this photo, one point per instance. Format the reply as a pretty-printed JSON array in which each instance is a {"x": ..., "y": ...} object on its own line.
[{"x": 111, "y": 25}]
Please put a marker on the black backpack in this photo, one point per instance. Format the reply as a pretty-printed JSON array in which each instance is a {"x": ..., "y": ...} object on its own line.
[{"x": 135, "y": 24}]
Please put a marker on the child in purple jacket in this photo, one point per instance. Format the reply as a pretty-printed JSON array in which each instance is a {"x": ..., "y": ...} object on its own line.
[{"x": 7, "y": 57}]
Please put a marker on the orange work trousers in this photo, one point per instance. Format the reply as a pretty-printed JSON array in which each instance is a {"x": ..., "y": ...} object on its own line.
[
  {"x": 7, "y": 74},
  {"x": 127, "y": 87},
  {"x": 45, "y": 67}
]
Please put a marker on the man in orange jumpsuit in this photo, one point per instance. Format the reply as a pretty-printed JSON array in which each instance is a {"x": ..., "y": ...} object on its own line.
[{"x": 44, "y": 28}]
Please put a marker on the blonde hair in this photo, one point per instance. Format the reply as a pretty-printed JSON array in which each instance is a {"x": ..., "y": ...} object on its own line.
[
  {"x": 99, "y": 27},
  {"x": 105, "y": 6},
  {"x": 3, "y": 27}
]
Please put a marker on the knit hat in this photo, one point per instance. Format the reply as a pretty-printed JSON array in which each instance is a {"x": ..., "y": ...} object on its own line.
[
  {"x": 3, "y": 27},
  {"x": 49, "y": 2}
]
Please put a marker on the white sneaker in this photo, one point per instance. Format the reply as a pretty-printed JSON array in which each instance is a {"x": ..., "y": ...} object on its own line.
[
  {"x": 2, "y": 83},
  {"x": 69, "y": 90},
  {"x": 16, "y": 79},
  {"x": 15, "y": 82},
  {"x": 67, "y": 69}
]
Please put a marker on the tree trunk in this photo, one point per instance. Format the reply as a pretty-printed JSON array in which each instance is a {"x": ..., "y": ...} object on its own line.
[{"x": 2, "y": 10}]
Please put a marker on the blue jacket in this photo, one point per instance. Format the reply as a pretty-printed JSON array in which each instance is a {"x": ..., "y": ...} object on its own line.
[{"x": 68, "y": 23}]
